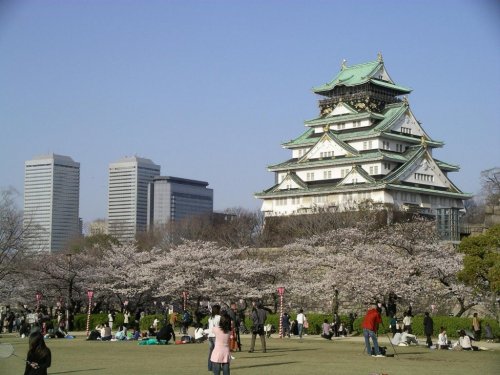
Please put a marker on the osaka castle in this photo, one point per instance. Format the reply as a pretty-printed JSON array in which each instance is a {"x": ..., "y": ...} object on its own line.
[{"x": 365, "y": 146}]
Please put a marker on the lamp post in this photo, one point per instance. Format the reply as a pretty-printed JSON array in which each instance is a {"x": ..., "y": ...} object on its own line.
[
  {"x": 281, "y": 292},
  {"x": 90, "y": 294},
  {"x": 38, "y": 297},
  {"x": 185, "y": 295}
]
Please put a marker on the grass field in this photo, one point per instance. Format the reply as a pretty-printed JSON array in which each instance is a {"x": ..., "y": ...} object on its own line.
[{"x": 312, "y": 355}]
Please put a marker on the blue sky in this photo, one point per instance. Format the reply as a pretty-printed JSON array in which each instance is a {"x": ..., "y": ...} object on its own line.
[{"x": 210, "y": 89}]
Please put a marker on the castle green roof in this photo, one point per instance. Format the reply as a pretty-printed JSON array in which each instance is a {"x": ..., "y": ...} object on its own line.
[{"x": 358, "y": 74}]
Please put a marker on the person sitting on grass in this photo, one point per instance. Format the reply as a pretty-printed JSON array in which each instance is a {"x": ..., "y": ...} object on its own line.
[
  {"x": 165, "y": 334},
  {"x": 464, "y": 342},
  {"x": 106, "y": 332},
  {"x": 121, "y": 334},
  {"x": 199, "y": 334},
  {"x": 407, "y": 338},
  {"x": 327, "y": 330},
  {"x": 443, "y": 342}
]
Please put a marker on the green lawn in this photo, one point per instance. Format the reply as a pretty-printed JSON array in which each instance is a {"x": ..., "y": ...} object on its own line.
[{"x": 289, "y": 356}]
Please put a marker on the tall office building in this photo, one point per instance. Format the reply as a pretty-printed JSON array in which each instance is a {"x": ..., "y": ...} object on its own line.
[
  {"x": 51, "y": 202},
  {"x": 174, "y": 198},
  {"x": 128, "y": 196}
]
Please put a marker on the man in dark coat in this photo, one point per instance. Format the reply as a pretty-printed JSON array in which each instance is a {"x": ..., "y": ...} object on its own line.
[
  {"x": 166, "y": 333},
  {"x": 259, "y": 317},
  {"x": 428, "y": 329}
]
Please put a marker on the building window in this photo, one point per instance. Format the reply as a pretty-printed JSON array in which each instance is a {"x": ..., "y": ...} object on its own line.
[
  {"x": 341, "y": 126},
  {"x": 344, "y": 172},
  {"x": 424, "y": 177},
  {"x": 326, "y": 154},
  {"x": 310, "y": 176},
  {"x": 387, "y": 166},
  {"x": 281, "y": 202},
  {"x": 295, "y": 200},
  {"x": 327, "y": 175},
  {"x": 399, "y": 147},
  {"x": 405, "y": 130},
  {"x": 386, "y": 145},
  {"x": 374, "y": 169}
]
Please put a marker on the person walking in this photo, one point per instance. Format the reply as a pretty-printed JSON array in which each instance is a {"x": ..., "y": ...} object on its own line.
[
  {"x": 300, "y": 322},
  {"x": 39, "y": 357},
  {"x": 370, "y": 327},
  {"x": 221, "y": 355},
  {"x": 428, "y": 328},
  {"x": 259, "y": 317}
]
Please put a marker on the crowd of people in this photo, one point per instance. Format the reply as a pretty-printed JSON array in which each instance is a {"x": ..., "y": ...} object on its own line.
[{"x": 224, "y": 327}]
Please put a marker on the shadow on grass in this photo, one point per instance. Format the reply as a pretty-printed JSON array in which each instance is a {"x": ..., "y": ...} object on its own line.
[
  {"x": 71, "y": 371},
  {"x": 266, "y": 365},
  {"x": 287, "y": 350}
]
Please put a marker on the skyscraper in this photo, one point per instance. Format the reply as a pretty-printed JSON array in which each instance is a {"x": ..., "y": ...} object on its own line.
[
  {"x": 51, "y": 202},
  {"x": 174, "y": 199},
  {"x": 128, "y": 196}
]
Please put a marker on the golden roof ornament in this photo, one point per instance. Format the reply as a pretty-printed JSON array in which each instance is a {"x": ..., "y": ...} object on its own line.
[
  {"x": 344, "y": 65},
  {"x": 423, "y": 142},
  {"x": 379, "y": 57},
  {"x": 326, "y": 128},
  {"x": 405, "y": 100}
]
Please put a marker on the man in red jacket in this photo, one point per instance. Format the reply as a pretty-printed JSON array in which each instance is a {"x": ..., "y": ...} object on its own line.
[{"x": 370, "y": 326}]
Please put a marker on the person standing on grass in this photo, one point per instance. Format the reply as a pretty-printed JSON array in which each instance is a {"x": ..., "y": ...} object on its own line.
[
  {"x": 407, "y": 321},
  {"x": 428, "y": 328},
  {"x": 39, "y": 357},
  {"x": 213, "y": 322},
  {"x": 370, "y": 327},
  {"x": 476, "y": 326},
  {"x": 300, "y": 322},
  {"x": 259, "y": 317},
  {"x": 221, "y": 355}
]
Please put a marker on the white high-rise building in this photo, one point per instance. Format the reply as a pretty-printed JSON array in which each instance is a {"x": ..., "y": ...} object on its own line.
[
  {"x": 128, "y": 196},
  {"x": 51, "y": 202}
]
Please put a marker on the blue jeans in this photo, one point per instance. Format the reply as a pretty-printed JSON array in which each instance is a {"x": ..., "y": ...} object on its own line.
[
  {"x": 221, "y": 366},
  {"x": 300, "y": 328},
  {"x": 367, "y": 334},
  {"x": 211, "y": 345}
]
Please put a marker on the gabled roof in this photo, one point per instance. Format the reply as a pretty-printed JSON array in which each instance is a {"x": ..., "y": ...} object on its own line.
[
  {"x": 357, "y": 169},
  {"x": 329, "y": 136},
  {"x": 358, "y": 74},
  {"x": 290, "y": 176},
  {"x": 415, "y": 155}
]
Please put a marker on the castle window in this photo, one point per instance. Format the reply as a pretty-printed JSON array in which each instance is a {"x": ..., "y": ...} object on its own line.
[
  {"x": 310, "y": 176},
  {"x": 327, "y": 175},
  {"x": 281, "y": 202}
]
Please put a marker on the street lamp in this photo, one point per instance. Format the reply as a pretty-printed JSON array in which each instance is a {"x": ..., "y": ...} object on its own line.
[
  {"x": 281, "y": 292},
  {"x": 90, "y": 294},
  {"x": 185, "y": 295},
  {"x": 38, "y": 297}
]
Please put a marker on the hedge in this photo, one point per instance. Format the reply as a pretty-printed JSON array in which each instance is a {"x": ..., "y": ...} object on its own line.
[{"x": 451, "y": 323}]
